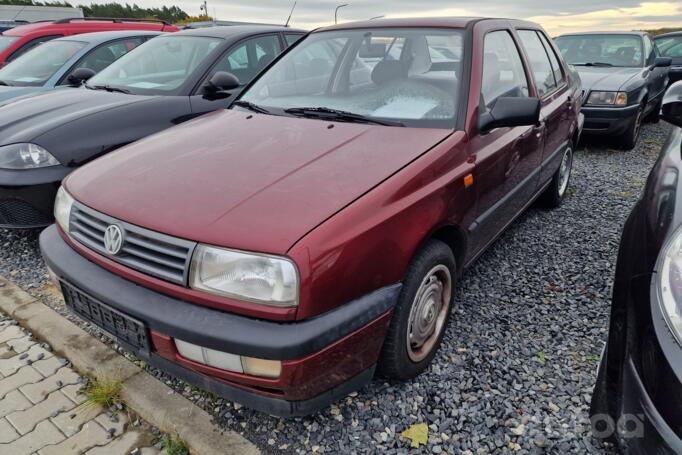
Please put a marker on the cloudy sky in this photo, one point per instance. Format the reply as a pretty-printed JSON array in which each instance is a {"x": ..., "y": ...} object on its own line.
[{"x": 556, "y": 15}]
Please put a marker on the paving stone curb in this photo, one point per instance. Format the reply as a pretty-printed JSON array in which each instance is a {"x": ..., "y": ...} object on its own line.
[{"x": 145, "y": 395}]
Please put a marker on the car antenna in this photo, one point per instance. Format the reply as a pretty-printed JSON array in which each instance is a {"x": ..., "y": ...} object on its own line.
[{"x": 290, "y": 14}]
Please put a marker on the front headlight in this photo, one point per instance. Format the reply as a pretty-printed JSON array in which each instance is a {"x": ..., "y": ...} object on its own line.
[
  {"x": 25, "y": 156},
  {"x": 608, "y": 99},
  {"x": 62, "y": 209},
  {"x": 264, "y": 279},
  {"x": 670, "y": 283}
]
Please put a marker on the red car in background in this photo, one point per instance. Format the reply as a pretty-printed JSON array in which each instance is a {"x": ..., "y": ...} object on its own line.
[
  {"x": 279, "y": 252},
  {"x": 18, "y": 40}
]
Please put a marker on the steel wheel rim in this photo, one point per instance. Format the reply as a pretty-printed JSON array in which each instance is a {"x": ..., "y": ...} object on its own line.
[
  {"x": 429, "y": 312},
  {"x": 565, "y": 171}
]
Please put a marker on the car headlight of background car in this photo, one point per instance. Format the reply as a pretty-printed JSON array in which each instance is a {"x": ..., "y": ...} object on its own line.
[
  {"x": 62, "y": 208},
  {"x": 607, "y": 99},
  {"x": 264, "y": 279},
  {"x": 25, "y": 156}
]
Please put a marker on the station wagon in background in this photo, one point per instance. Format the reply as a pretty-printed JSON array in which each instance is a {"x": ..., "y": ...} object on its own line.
[
  {"x": 624, "y": 79},
  {"x": 21, "y": 39},
  {"x": 280, "y": 252},
  {"x": 165, "y": 81},
  {"x": 54, "y": 63},
  {"x": 670, "y": 45}
]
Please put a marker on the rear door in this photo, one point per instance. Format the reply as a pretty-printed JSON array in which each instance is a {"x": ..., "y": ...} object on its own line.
[
  {"x": 552, "y": 88},
  {"x": 506, "y": 159},
  {"x": 245, "y": 60}
]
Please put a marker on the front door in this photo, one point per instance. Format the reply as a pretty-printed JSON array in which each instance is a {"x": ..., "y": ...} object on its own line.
[
  {"x": 506, "y": 159},
  {"x": 245, "y": 60}
]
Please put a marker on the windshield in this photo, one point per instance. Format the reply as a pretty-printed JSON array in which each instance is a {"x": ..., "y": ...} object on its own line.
[
  {"x": 6, "y": 41},
  {"x": 409, "y": 76},
  {"x": 606, "y": 50},
  {"x": 670, "y": 47},
  {"x": 36, "y": 66},
  {"x": 158, "y": 67}
]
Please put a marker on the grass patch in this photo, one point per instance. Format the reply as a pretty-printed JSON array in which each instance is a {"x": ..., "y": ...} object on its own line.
[
  {"x": 102, "y": 392},
  {"x": 173, "y": 445},
  {"x": 542, "y": 358}
]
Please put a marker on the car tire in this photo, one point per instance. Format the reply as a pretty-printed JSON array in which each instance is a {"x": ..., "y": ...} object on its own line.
[
  {"x": 558, "y": 187},
  {"x": 421, "y": 314},
  {"x": 628, "y": 140}
]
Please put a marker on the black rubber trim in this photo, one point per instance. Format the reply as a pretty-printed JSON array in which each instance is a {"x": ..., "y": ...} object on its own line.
[
  {"x": 40, "y": 176},
  {"x": 208, "y": 327},
  {"x": 274, "y": 406}
]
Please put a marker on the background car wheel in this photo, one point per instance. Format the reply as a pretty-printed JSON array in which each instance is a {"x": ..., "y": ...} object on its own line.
[
  {"x": 556, "y": 191},
  {"x": 630, "y": 137},
  {"x": 422, "y": 313}
]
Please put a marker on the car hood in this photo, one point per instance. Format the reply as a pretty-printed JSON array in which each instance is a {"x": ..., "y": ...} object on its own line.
[
  {"x": 252, "y": 182},
  {"x": 7, "y": 93},
  {"x": 26, "y": 118},
  {"x": 608, "y": 79}
]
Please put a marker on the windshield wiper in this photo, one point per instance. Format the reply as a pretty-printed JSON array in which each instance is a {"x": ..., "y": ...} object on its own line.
[
  {"x": 335, "y": 114},
  {"x": 5, "y": 83},
  {"x": 602, "y": 64},
  {"x": 250, "y": 106},
  {"x": 108, "y": 88}
]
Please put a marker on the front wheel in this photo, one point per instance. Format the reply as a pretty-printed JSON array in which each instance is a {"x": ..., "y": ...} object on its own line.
[
  {"x": 628, "y": 140},
  {"x": 422, "y": 313},
  {"x": 558, "y": 187}
]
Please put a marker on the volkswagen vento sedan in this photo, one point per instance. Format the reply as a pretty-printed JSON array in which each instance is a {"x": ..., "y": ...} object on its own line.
[
  {"x": 638, "y": 395},
  {"x": 280, "y": 252}
]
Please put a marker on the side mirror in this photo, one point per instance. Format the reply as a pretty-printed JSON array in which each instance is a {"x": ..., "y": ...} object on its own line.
[
  {"x": 509, "y": 112},
  {"x": 663, "y": 62},
  {"x": 221, "y": 81},
  {"x": 79, "y": 76},
  {"x": 671, "y": 110}
]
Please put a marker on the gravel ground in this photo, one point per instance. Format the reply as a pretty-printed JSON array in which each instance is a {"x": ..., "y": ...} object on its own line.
[{"x": 517, "y": 366}]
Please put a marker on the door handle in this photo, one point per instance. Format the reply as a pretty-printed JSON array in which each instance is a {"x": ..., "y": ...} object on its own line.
[{"x": 539, "y": 129}]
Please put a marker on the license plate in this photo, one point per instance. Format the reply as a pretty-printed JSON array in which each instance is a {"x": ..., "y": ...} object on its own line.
[{"x": 125, "y": 329}]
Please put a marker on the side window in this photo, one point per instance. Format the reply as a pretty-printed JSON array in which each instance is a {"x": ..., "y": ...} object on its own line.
[
  {"x": 539, "y": 62},
  {"x": 553, "y": 60},
  {"x": 107, "y": 54},
  {"x": 30, "y": 45},
  {"x": 292, "y": 39},
  {"x": 249, "y": 58},
  {"x": 503, "y": 73}
]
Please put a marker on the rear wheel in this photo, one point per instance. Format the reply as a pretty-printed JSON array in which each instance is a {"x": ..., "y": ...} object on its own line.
[
  {"x": 556, "y": 191},
  {"x": 629, "y": 138},
  {"x": 422, "y": 313}
]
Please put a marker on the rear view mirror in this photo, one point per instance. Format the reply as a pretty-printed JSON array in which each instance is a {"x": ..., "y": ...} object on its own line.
[
  {"x": 221, "y": 81},
  {"x": 79, "y": 76},
  {"x": 672, "y": 105},
  {"x": 509, "y": 112},
  {"x": 663, "y": 62},
  {"x": 372, "y": 50}
]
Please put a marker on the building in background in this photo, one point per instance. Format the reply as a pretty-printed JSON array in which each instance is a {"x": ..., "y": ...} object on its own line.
[{"x": 9, "y": 13}]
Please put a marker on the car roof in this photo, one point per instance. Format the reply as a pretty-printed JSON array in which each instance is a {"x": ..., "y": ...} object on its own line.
[
  {"x": 424, "y": 22},
  {"x": 232, "y": 31},
  {"x": 669, "y": 35},
  {"x": 75, "y": 23},
  {"x": 100, "y": 37},
  {"x": 631, "y": 32}
]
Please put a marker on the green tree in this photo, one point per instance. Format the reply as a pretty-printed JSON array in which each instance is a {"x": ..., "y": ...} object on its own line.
[{"x": 170, "y": 14}]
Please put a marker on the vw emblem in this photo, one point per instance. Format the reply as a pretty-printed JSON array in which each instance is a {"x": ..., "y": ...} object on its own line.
[{"x": 113, "y": 239}]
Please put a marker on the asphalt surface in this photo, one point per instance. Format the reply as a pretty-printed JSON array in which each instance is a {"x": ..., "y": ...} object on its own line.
[{"x": 518, "y": 363}]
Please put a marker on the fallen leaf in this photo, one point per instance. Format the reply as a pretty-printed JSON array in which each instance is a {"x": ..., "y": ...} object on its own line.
[{"x": 418, "y": 434}]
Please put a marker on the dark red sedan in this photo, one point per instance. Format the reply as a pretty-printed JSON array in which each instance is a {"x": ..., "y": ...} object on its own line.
[{"x": 280, "y": 252}]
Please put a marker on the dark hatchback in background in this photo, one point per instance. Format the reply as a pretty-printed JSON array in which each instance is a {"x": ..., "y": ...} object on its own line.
[
  {"x": 637, "y": 400},
  {"x": 624, "y": 79},
  {"x": 165, "y": 81},
  {"x": 279, "y": 252},
  {"x": 670, "y": 45}
]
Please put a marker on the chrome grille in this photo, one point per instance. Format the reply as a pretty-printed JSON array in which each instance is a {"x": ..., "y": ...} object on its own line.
[{"x": 146, "y": 251}]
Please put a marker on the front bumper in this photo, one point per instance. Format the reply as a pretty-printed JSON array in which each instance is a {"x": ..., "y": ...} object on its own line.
[
  {"x": 608, "y": 120},
  {"x": 323, "y": 358},
  {"x": 27, "y": 196}
]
